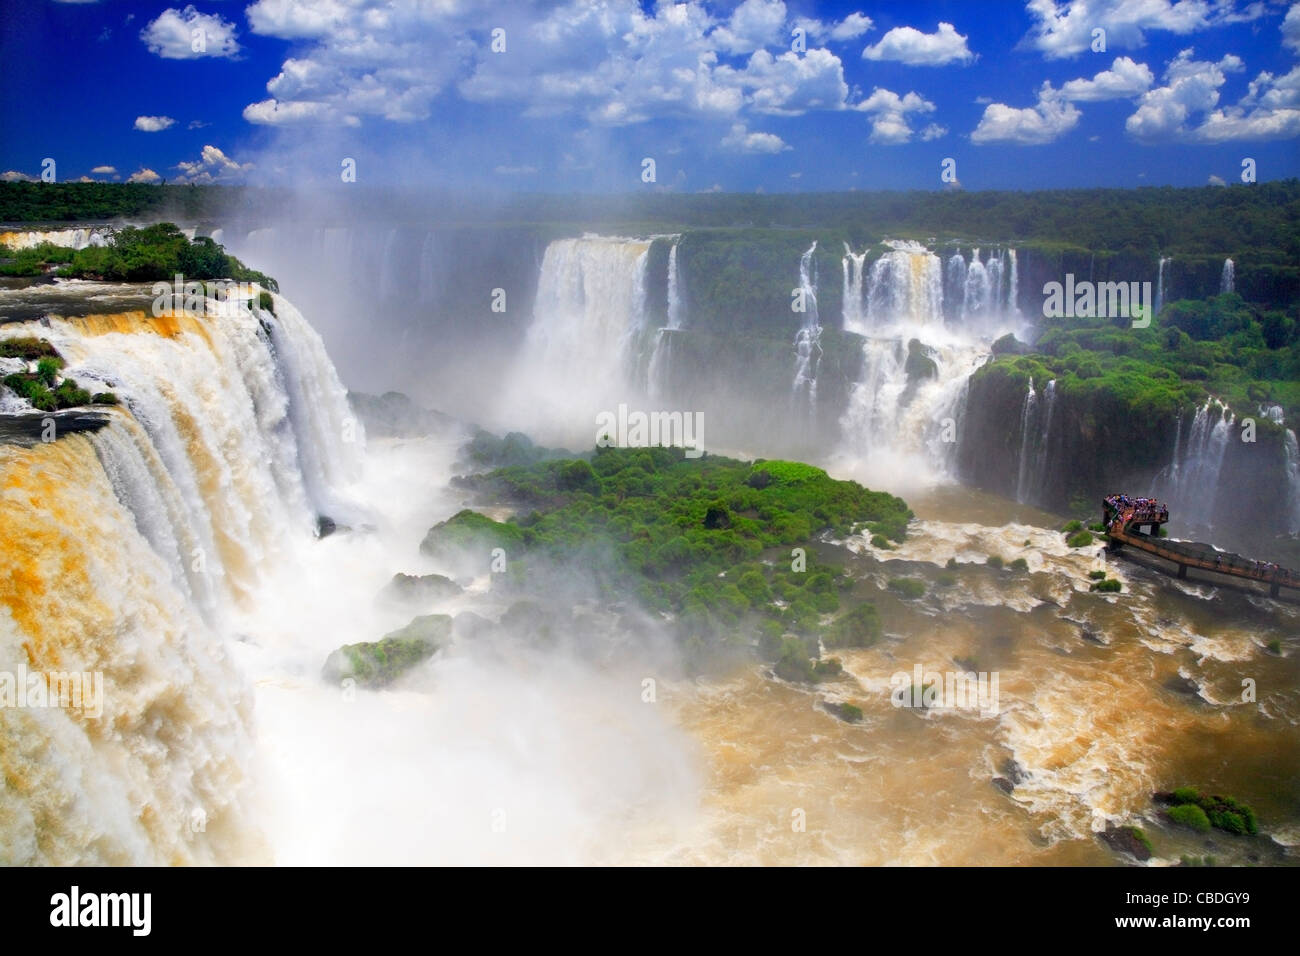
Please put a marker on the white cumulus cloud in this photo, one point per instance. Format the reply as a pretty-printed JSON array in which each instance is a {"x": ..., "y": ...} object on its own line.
[
  {"x": 889, "y": 111},
  {"x": 153, "y": 124},
  {"x": 144, "y": 176},
  {"x": 1125, "y": 79},
  {"x": 212, "y": 166},
  {"x": 189, "y": 35},
  {"x": 909, "y": 45},
  {"x": 741, "y": 140},
  {"x": 1049, "y": 119}
]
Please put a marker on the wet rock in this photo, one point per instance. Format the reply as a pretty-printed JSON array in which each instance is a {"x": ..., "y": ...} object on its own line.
[
  {"x": 419, "y": 588},
  {"x": 1127, "y": 839},
  {"x": 1012, "y": 770},
  {"x": 325, "y": 526},
  {"x": 845, "y": 711},
  {"x": 378, "y": 663},
  {"x": 1003, "y": 784},
  {"x": 1183, "y": 685}
]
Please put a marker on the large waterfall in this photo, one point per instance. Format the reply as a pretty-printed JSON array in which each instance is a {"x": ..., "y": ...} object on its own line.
[
  {"x": 906, "y": 407},
  {"x": 582, "y": 350},
  {"x": 137, "y": 551}
]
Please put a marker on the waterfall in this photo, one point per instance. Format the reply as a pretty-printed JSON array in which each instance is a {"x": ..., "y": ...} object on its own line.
[
  {"x": 582, "y": 350},
  {"x": 68, "y": 238},
  {"x": 674, "y": 291},
  {"x": 657, "y": 371},
  {"x": 977, "y": 295},
  {"x": 1026, "y": 441},
  {"x": 853, "y": 315},
  {"x": 905, "y": 287},
  {"x": 132, "y": 550},
  {"x": 954, "y": 287},
  {"x": 1292, "y": 481},
  {"x": 1013, "y": 290},
  {"x": 807, "y": 342},
  {"x": 1160, "y": 284},
  {"x": 1227, "y": 281},
  {"x": 1191, "y": 481}
]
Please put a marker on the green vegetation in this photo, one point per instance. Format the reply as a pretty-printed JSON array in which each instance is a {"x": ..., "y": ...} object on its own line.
[
  {"x": 34, "y": 260},
  {"x": 860, "y": 627},
  {"x": 1108, "y": 586},
  {"x": 1097, "y": 575},
  {"x": 945, "y": 579},
  {"x": 1137, "y": 834},
  {"x": 1275, "y": 646},
  {"x": 160, "y": 252},
  {"x": 1019, "y": 564},
  {"x": 709, "y": 542},
  {"x": 265, "y": 302},
  {"x": 44, "y": 388},
  {"x": 1190, "y": 815},
  {"x": 910, "y": 588},
  {"x": 375, "y": 664},
  {"x": 1187, "y": 860},
  {"x": 1201, "y": 811},
  {"x": 1071, "y": 527},
  {"x": 994, "y": 561},
  {"x": 1080, "y": 539},
  {"x": 28, "y": 349},
  {"x": 827, "y": 669}
]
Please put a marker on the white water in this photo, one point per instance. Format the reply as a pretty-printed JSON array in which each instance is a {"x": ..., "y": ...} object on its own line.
[
  {"x": 896, "y": 430},
  {"x": 658, "y": 369},
  {"x": 854, "y": 308},
  {"x": 1192, "y": 478},
  {"x": 1227, "y": 281},
  {"x": 1160, "y": 284},
  {"x": 807, "y": 341},
  {"x": 69, "y": 238},
  {"x": 1293, "y": 481},
  {"x": 583, "y": 346}
]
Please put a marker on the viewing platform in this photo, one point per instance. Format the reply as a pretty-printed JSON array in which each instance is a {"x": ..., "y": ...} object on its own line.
[{"x": 1125, "y": 517}]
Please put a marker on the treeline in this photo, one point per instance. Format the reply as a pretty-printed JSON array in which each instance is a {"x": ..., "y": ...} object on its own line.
[
  {"x": 1262, "y": 217},
  {"x": 147, "y": 254}
]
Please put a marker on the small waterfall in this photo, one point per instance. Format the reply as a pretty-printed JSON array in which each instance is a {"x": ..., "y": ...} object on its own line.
[
  {"x": 1042, "y": 450},
  {"x": 955, "y": 287},
  {"x": 1227, "y": 281},
  {"x": 1013, "y": 290},
  {"x": 1292, "y": 481},
  {"x": 1192, "y": 478},
  {"x": 1026, "y": 442},
  {"x": 807, "y": 342},
  {"x": 1160, "y": 284},
  {"x": 674, "y": 291},
  {"x": 977, "y": 295},
  {"x": 658, "y": 370},
  {"x": 853, "y": 312},
  {"x": 68, "y": 238}
]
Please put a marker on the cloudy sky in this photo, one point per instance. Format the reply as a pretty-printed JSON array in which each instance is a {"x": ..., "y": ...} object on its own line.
[{"x": 762, "y": 94}]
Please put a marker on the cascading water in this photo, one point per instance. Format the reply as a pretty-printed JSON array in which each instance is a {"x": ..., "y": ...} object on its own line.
[
  {"x": 854, "y": 315},
  {"x": 1191, "y": 481},
  {"x": 807, "y": 342},
  {"x": 69, "y": 238},
  {"x": 977, "y": 297},
  {"x": 582, "y": 350},
  {"x": 1227, "y": 281},
  {"x": 1026, "y": 440},
  {"x": 131, "y": 551},
  {"x": 1160, "y": 284},
  {"x": 905, "y": 287},
  {"x": 657, "y": 371}
]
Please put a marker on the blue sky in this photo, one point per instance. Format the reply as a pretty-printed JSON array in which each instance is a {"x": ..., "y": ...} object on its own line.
[{"x": 764, "y": 94}]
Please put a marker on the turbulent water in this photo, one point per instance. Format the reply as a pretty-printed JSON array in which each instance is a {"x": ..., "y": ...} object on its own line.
[{"x": 174, "y": 551}]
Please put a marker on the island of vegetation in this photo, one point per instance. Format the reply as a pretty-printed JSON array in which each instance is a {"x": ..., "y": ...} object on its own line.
[{"x": 720, "y": 549}]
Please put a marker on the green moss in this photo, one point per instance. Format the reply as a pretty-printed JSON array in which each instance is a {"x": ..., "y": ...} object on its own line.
[
  {"x": 860, "y": 627},
  {"x": 266, "y": 302},
  {"x": 1080, "y": 539},
  {"x": 1190, "y": 815},
  {"x": 1140, "y": 836},
  {"x": 1071, "y": 527},
  {"x": 1109, "y": 586},
  {"x": 378, "y": 663},
  {"x": 910, "y": 588},
  {"x": 1019, "y": 564},
  {"x": 828, "y": 668},
  {"x": 994, "y": 561},
  {"x": 880, "y": 541},
  {"x": 1097, "y": 575},
  {"x": 28, "y": 349},
  {"x": 1275, "y": 646}
]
